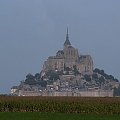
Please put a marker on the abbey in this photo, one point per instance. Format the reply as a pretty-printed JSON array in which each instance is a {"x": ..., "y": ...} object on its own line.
[
  {"x": 68, "y": 73},
  {"x": 69, "y": 58}
]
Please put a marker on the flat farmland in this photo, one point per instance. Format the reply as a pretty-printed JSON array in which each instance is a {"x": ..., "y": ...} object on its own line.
[
  {"x": 54, "y": 116},
  {"x": 66, "y": 105}
]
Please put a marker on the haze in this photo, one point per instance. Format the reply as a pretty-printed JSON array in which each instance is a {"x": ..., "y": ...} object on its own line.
[{"x": 32, "y": 30}]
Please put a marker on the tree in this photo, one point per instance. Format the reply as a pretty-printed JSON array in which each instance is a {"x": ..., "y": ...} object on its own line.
[
  {"x": 30, "y": 81},
  {"x": 94, "y": 76},
  {"x": 76, "y": 72},
  {"x": 101, "y": 79},
  {"x": 29, "y": 76},
  {"x": 102, "y": 72},
  {"x": 37, "y": 76},
  {"x": 87, "y": 78},
  {"x": 52, "y": 76},
  {"x": 116, "y": 80},
  {"x": 96, "y": 70},
  {"x": 42, "y": 83}
]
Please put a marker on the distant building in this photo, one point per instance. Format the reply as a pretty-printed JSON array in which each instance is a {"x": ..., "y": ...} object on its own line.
[
  {"x": 14, "y": 89},
  {"x": 69, "y": 57},
  {"x": 74, "y": 77}
]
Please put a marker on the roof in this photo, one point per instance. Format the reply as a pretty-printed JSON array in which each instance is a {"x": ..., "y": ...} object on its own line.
[
  {"x": 60, "y": 51},
  {"x": 67, "y": 42}
]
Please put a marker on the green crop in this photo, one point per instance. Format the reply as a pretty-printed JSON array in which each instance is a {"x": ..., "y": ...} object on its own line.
[{"x": 80, "y": 105}]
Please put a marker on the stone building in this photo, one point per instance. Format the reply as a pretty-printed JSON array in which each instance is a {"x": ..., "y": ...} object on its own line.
[{"x": 69, "y": 57}]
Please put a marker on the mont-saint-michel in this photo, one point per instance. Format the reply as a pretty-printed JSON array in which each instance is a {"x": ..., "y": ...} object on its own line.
[{"x": 68, "y": 73}]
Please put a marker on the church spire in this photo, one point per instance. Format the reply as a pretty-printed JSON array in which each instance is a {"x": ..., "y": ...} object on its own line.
[{"x": 67, "y": 42}]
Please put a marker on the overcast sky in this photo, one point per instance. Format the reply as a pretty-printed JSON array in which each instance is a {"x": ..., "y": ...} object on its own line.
[{"x": 32, "y": 30}]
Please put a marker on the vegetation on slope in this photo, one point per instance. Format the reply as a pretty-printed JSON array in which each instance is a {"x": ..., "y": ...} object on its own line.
[{"x": 99, "y": 78}]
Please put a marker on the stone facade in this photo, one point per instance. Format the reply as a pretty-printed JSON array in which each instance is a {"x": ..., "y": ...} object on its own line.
[
  {"x": 97, "y": 93},
  {"x": 69, "y": 57}
]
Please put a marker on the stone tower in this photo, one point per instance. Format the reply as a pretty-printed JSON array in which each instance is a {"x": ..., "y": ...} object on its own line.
[{"x": 70, "y": 53}]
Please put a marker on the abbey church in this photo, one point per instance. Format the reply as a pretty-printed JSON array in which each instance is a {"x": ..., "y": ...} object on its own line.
[
  {"x": 68, "y": 73},
  {"x": 69, "y": 57}
]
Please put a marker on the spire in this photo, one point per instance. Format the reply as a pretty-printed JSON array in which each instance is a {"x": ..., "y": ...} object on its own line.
[
  {"x": 67, "y": 42},
  {"x": 67, "y": 35}
]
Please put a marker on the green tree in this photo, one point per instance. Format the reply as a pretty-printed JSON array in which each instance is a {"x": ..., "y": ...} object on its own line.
[
  {"x": 87, "y": 78},
  {"x": 76, "y": 72},
  {"x": 102, "y": 79},
  {"x": 37, "y": 76},
  {"x": 94, "y": 76},
  {"x": 30, "y": 79},
  {"x": 29, "y": 76}
]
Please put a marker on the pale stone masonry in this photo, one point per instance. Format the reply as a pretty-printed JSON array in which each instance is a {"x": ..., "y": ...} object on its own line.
[
  {"x": 97, "y": 93},
  {"x": 69, "y": 57}
]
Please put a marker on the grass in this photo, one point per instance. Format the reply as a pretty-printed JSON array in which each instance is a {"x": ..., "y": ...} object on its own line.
[{"x": 54, "y": 116}]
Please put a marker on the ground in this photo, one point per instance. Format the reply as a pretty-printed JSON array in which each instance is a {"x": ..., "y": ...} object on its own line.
[{"x": 54, "y": 116}]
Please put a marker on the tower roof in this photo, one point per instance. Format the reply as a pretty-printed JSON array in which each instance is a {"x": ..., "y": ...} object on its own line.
[{"x": 67, "y": 42}]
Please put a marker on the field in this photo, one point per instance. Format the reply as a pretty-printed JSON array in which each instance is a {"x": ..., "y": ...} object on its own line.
[
  {"x": 49, "y": 108},
  {"x": 78, "y": 105},
  {"x": 54, "y": 116}
]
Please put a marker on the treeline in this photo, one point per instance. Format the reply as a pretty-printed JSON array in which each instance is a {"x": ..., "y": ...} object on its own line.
[
  {"x": 35, "y": 80},
  {"x": 99, "y": 76},
  {"x": 51, "y": 76},
  {"x": 106, "y": 76}
]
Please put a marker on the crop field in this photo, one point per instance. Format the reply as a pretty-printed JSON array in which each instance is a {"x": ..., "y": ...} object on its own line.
[
  {"x": 54, "y": 116},
  {"x": 80, "y": 105}
]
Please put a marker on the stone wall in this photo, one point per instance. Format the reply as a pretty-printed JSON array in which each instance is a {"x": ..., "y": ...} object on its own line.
[{"x": 99, "y": 93}]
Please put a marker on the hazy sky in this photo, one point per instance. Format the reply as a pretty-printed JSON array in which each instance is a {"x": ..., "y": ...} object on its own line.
[{"x": 32, "y": 30}]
